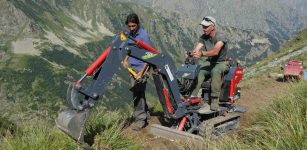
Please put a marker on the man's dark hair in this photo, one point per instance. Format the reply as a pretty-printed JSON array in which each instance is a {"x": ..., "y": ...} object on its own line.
[{"x": 133, "y": 18}]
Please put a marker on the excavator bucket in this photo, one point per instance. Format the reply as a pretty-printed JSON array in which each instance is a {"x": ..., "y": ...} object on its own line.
[{"x": 72, "y": 123}]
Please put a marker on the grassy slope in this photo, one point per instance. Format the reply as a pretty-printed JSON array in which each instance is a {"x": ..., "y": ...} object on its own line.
[
  {"x": 283, "y": 123},
  {"x": 280, "y": 125}
]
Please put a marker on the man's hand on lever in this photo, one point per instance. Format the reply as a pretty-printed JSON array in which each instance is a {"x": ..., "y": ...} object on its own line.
[{"x": 197, "y": 54}]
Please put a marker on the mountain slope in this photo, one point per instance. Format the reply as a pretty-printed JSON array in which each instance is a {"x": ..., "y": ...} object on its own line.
[
  {"x": 274, "y": 17},
  {"x": 294, "y": 49},
  {"x": 298, "y": 5}
]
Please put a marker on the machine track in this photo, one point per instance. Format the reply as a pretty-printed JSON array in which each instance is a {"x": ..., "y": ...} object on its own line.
[
  {"x": 211, "y": 128},
  {"x": 218, "y": 126}
]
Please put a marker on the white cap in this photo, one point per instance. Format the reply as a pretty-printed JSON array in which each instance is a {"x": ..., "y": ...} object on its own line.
[{"x": 207, "y": 21}]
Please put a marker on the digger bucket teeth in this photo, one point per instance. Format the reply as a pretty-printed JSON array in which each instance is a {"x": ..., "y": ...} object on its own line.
[{"x": 72, "y": 123}]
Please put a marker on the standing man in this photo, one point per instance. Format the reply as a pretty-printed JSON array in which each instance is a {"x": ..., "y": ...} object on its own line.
[
  {"x": 141, "y": 112},
  {"x": 210, "y": 45}
]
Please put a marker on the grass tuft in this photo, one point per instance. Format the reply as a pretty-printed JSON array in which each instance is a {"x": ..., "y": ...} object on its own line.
[
  {"x": 105, "y": 129},
  {"x": 37, "y": 134}
]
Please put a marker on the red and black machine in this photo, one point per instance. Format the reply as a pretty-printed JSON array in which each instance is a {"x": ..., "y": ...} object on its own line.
[
  {"x": 293, "y": 70},
  {"x": 172, "y": 88}
]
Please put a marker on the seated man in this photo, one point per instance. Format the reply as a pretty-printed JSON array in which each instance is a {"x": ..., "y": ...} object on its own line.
[{"x": 210, "y": 45}]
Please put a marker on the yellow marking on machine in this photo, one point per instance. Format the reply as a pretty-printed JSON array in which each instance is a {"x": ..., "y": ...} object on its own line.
[
  {"x": 148, "y": 55},
  {"x": 186, "y": 75},
  {"x": 132, "y": 72},
  {"x": 123, "y": 37}
]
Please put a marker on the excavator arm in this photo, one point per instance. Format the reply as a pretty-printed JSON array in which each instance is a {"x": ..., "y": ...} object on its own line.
[
  {"x": 102, "y": 71},
  {"x": 164, "y": 74}
]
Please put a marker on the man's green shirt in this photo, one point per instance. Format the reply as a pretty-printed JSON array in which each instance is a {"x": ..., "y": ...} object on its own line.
[{"x": 210, "y": 43}]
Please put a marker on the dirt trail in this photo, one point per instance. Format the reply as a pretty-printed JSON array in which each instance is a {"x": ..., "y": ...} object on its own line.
[{"x": 255, "y": 94}]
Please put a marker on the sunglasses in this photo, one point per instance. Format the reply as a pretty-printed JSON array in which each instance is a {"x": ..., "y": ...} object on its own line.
[{"x": 208, "y": 19}]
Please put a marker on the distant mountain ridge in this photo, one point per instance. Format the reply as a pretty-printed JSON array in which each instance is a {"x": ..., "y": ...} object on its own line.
[
  {"x": 281, "y": 19},
  {"x": 298, "y": 5}
]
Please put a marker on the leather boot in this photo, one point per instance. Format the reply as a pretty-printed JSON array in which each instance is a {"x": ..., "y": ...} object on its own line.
[
  {"x": 214, "y": 104},
  {"x": 138, "y": 125}
]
